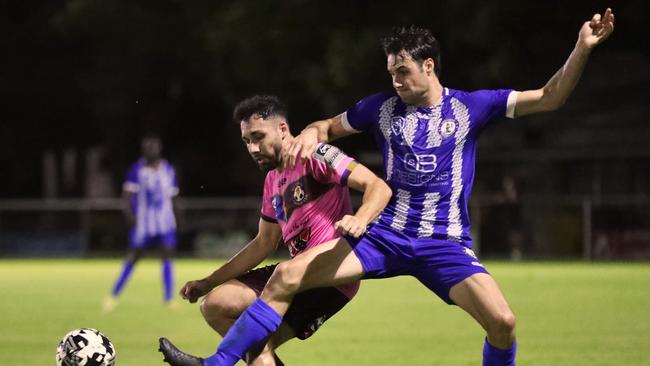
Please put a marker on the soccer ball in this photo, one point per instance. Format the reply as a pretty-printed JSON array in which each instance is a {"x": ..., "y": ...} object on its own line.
[{"x": 85, "y": 347}]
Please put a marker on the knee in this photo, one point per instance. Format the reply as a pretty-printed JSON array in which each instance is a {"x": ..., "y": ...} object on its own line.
[
  {"x": 264, "y": 359},
  {"x": 504, "y": 324},
  {"x": 215, "y": 307},
  {"x": 286, "y": 279}
]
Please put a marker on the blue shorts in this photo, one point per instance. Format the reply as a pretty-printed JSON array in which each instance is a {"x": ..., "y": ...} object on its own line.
[
  {"x": 167, "y": 240},
  {"x": 438, "y": 264}
]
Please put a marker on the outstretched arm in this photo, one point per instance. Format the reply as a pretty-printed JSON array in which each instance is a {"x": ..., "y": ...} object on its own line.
[
  {"x": 376, "y": 194},
  {"x": 557, "y": 90},
  {"x": 258, "y": 249},
  {"x": 303, "y": 145}
]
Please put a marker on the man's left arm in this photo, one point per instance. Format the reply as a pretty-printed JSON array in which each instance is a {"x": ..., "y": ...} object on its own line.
[{"x": 557, "y": 90}]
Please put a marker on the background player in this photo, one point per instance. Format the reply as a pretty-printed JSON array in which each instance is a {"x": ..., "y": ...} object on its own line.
[
  {"x": 427, "y": 134},
  {"x": 303, "y": 205},
  {"x": 149, "y": 193}
]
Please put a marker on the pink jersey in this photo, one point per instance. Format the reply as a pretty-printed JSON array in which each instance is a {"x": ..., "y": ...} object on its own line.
[{"x": 306, "y": 201}]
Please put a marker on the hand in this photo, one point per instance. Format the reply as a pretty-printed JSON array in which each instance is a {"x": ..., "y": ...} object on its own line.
[
  {"x": 193, "y": 290},
  {"x": 351, "y": 225},
  {"x": 597, "y": 29},
  {"x": 300, "y": 148}
]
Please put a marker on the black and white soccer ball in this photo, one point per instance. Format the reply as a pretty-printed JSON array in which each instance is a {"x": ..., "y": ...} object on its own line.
[{"x": 85, "y": 347}]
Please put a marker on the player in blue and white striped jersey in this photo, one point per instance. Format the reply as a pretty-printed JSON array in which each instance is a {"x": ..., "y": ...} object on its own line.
[
  {"x": 149, "y": 193},
  {"x": 427, "y": 134}
]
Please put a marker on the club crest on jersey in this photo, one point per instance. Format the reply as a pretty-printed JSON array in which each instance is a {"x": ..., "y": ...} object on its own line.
[
  {"x": 299, "y": 194},
  {"x": 448, "y": 128}
]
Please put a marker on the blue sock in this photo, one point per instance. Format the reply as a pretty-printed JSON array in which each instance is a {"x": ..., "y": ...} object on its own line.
[
  {"x": 254, "y": 326},
  {"x": 124, "y": 276},
  {"x": 168, "y": 278},
  {"x": 493, "y": 356}
]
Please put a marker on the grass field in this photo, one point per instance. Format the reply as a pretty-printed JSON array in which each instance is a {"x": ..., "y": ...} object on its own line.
[{"x": 568, "y": 314}]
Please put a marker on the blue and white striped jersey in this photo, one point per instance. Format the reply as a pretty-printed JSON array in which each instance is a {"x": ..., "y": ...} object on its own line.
[
  {"x": 429, "y": 156},
  {"x": 153, "y": 190}
]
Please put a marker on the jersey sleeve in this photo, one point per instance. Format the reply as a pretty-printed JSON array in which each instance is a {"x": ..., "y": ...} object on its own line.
[
  {"x": 131, "y": 184},
  {"x": 486, "y": 105},
  {"x": 268, "y": 211},
  {"x": 363, "y": 115},
  {"x": 328, "y": 164}
]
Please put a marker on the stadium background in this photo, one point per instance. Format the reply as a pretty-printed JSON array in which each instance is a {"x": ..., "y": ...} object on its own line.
[{"x": 82, "y": 81}]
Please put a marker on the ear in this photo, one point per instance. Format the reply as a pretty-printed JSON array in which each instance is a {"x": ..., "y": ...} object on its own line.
[
  {"x": 429, "y": 66},
  {"x": 283, "y": 126}
]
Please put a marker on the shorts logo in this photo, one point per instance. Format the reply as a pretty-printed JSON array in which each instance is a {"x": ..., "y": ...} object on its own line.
[{"x": 448, "y": 128}]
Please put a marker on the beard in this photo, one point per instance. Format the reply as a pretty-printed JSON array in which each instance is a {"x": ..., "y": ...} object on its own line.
[{"x": 266, "y": 163}]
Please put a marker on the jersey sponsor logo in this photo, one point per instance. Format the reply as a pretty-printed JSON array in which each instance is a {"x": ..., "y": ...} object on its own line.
[
  {"x": 448, "y": 127},
  {"x": 299, "y": 242},
  {"x": 425, "y": 163}
]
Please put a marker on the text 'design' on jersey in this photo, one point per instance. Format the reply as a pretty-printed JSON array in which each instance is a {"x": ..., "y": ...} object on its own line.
[{"x": 429, "y": 156}]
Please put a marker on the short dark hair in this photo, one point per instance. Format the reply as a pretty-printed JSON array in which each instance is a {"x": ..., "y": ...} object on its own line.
[
  {"x": 263, "y": 105},
  {"x": 417, "y": 42}
]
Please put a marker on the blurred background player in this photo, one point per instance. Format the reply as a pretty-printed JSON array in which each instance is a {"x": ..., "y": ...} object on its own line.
[
  {"x": 302, "y": 205},
  {"x": 149, "y": 194}
]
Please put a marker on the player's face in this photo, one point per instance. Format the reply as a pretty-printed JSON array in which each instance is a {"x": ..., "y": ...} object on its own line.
[
  {"x": 410, "y": 79},
  {"x": 263, "y": 139},
  {"x": 151, "y": 148}
]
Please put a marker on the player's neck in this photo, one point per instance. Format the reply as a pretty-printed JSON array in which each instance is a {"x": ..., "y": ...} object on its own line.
[
  {"x": 286, "y": 141},
  {"x": 433, "y": 96},
  {"x": 152, "y": 163}
]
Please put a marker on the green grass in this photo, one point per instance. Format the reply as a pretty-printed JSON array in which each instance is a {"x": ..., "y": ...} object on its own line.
[{"x": 568, "y": 314}]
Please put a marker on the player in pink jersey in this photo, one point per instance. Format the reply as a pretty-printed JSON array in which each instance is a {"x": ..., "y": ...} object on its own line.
[{"x": 303, "y": 206}]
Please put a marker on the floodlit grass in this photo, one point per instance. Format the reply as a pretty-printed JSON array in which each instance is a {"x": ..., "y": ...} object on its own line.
[{"x": 568, "y": 314}]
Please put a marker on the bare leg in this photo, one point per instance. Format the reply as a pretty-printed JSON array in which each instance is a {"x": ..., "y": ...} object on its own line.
[
  {"x": 223, "y": 305},
  {"x": 329, "y": 264},
  {"x": 480, "y": 296}
]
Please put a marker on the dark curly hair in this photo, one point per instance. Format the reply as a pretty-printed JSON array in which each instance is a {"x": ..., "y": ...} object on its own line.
[
  {"x": 417, "y": 42},
  {"x": 263, "y": 105}
]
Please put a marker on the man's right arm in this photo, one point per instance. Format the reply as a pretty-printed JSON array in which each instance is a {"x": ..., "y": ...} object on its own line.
[
  {"x": 258, "y": 249},
  {"x": 324, "y": 131}
]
